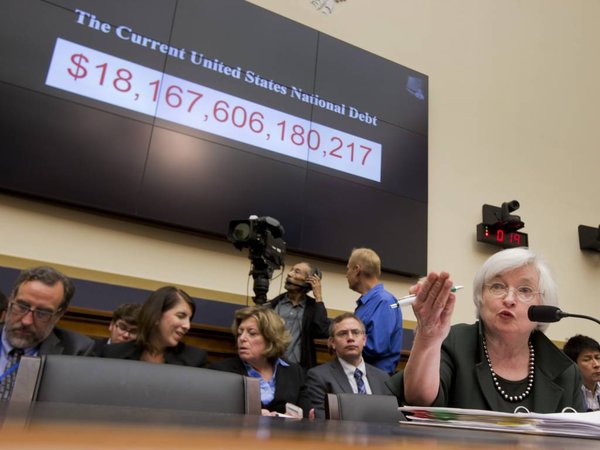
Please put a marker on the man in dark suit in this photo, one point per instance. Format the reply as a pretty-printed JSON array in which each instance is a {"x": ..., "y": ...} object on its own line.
[
  {"x": 347, "y": 373},
  {"x": 305, "y": 317},
  {"x": 39, "y": 299}
]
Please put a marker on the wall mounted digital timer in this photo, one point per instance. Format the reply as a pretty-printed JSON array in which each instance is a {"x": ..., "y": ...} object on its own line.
[{"x": 502, "y": 236}]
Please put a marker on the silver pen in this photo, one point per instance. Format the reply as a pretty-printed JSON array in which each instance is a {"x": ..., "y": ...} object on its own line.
[{"x": 412, "y": 297}]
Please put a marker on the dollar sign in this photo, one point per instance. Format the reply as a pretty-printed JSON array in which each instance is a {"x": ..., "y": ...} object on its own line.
[{"x": 80, "y": 71}]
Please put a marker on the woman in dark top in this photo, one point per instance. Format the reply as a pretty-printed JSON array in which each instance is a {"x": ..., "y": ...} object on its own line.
[
  {"x": 501, "y": 362},
  {"x": 261, "y": 341},
  {"x": 163, "y": 321}
]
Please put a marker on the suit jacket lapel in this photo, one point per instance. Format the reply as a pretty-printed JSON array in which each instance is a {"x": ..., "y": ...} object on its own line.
[
  {"x": 340, "y": 377},
  {"x": 375, "y": 382},
  {"x": 483, "y": 376},
  {"x": 547, "y": 393},
  {"x": 51, "y": 346},
  {"x": 486, "y": 385}
]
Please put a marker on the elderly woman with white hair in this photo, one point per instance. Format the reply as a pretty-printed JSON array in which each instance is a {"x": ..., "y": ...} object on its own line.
[{"x": 498, "y": 363}]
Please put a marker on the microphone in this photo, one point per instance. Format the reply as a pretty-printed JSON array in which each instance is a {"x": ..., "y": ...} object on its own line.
[
  {"x": 544, "y": 313},
  {"x": 547, "y": 313}
]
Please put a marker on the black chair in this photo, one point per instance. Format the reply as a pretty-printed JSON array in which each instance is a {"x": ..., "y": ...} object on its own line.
[
  {"x": 363, "y": 408},
  {"x": 126, "y": 383}
]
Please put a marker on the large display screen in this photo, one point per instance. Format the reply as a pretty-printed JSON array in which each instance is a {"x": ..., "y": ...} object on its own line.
[{"x": 194, "y": 113}]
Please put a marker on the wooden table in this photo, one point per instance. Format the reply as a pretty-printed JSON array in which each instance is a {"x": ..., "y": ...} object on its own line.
[{"x": 68, "y": 426}]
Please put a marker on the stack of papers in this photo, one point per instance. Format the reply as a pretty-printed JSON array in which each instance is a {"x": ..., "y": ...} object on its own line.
[{"x": 586, "y": 425}]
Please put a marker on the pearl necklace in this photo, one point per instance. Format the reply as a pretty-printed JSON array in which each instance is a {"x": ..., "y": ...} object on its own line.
[{"x": 512, "y": 398}]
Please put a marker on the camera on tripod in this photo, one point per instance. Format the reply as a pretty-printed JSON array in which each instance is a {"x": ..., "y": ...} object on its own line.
[{"x": 266, "y": 249}]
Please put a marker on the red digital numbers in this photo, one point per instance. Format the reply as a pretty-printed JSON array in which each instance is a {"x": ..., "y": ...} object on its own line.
[
  {"x": 500, "y": 235},
  {"x": 513, "y": 238},
  {"x": 503, "y": 237}
]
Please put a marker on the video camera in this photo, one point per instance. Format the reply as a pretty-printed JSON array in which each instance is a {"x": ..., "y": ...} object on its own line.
[{"x": 266, "y": 249}]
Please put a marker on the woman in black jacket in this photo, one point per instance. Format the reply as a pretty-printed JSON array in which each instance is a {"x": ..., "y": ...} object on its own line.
[
  {"x": 163, "y": 321},
  {"x": 261, "y": 341}
]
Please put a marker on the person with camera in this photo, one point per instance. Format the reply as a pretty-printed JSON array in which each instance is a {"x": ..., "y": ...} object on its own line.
[{"x": 305, "y": 317}]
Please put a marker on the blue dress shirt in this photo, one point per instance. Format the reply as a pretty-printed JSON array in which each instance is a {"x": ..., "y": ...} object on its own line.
[
  {"x": 384, "y": 328},
  {"x": 267, "y": 388}
]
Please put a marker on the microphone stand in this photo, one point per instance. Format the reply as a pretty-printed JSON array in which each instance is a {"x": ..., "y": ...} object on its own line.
[{"x": 580, "y": 316}]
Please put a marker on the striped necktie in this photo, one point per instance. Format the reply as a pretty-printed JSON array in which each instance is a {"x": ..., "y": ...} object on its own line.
[
  {"x": 10, "y": 373},
  {"x": 360, "y": 384}
]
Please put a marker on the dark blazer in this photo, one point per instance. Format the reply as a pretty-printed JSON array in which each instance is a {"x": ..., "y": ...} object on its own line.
[
  {"x": 65, "y": 342},
  {"x": 330, "y": 378},
  {"x": 99, "y": 345},
  {"x": 181, "y": 355},
  {"x": 288, "y": 382},
  {"x": 466, "y": 381},
  {"x": 315, "y": 325}
]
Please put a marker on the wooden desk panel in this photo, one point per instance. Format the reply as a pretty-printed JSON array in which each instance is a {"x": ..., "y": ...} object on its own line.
[{"x": 213, "y": 431}]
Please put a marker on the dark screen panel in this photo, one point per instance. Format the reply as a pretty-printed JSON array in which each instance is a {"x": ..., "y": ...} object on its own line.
[
  {"x": 396, "y": 94},
  {"x": 190, "y": 182},
  {"x": 30, "y": 28},
  {"x": 263, "y": 46},
  {"x": 64, "y": 151},
  {"x": 347, "y": 210},
  {"x": 114, "y": 113}
]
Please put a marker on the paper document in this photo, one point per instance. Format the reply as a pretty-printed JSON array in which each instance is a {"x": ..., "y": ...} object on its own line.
[{"x": 585, "y": 425}]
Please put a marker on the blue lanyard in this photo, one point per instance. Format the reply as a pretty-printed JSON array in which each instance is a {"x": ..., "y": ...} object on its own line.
[{"x": 10, "y": 370}]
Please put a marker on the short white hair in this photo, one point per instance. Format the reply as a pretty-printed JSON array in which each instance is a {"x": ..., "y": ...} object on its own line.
[{"x": 511, "y": 259}]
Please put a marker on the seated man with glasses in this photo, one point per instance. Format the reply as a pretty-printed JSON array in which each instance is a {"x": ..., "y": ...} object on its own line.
[
  {"x": 501, "y": 362},
  {"x": 123, "y": 326},
  {"x": 39, "y": 298},
  {"x": 347, "y": 373}
]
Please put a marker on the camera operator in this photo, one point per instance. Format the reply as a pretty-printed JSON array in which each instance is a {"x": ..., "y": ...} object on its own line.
[{"x": 305, "y": 317}]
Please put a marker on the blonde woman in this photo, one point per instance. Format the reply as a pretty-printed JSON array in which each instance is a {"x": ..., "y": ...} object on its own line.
[{"x": 261, "y": 342}]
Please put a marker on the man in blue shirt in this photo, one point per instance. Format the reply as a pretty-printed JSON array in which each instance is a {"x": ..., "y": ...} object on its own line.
[{"x": 374, "y": 307}]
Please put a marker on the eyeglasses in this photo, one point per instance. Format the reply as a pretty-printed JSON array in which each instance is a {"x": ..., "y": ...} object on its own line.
[
  {"x": 125, "y": 329},
  {"x": 525, "y": 294},
  {"x": 345, "y": 333},
  {"x": 41, "y": 315}
]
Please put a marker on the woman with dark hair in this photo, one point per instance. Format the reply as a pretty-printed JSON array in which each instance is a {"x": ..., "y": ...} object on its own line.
[
  {"x": 261, "y": 342},
  {"x": 163, "y": 321}
]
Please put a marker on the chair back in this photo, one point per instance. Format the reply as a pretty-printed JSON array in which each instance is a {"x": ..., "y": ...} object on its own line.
[
  {"x": 362, "y": 408},
  {"x": 120, "y": 382}
]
